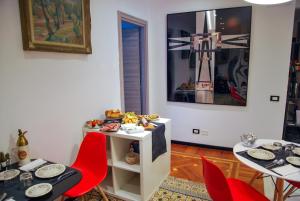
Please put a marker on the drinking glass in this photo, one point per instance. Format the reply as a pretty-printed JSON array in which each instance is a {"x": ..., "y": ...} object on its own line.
[
  {"x": 277, "y": 144},
  {"x": 26, "y": 179},
  {"x": 289, "y": 149}
]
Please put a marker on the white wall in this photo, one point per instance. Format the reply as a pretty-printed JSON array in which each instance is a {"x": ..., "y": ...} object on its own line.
[
  {"x": 52, "y": 94},
  {"x": 270, "y": 50}
]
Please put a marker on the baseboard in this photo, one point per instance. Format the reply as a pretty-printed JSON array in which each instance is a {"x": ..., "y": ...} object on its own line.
[{"x": 201, "y": 145}]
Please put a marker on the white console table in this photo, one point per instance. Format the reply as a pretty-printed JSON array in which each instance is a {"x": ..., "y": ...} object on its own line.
[{"x": 135, "y": 182}]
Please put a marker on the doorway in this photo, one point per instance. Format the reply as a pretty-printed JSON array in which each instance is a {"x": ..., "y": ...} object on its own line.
[{"x": 133, "y": 63}]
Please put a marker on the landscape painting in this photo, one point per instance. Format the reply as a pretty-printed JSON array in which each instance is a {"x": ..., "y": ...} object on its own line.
[
  {"x": 56, "y": 25},
  {"x": 208, "y": 56}
]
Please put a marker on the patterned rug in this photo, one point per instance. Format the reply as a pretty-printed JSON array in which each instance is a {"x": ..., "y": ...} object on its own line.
[{"x": 172, "y": 189}]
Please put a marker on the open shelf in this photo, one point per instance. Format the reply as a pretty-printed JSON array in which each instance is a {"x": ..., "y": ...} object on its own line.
[
  {"x": 125, "y": 166},
  {"x": 107, "y": 184},
  {"x": 121, "y": 147},
  {"x": 127, "y": 184}
]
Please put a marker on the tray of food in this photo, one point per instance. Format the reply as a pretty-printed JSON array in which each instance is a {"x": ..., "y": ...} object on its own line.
[{"x": 110, "y": 127}]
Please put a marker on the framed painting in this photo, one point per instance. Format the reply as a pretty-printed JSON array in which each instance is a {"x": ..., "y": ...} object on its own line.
[
  {"x": 56, "y": 25},
  {"x": 208, "y": 56}
]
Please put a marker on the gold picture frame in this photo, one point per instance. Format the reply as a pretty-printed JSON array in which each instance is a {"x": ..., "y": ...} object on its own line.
[{"x": 56, "y": 25}]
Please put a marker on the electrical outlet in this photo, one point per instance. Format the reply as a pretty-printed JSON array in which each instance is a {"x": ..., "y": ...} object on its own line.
[
  {"x": 204, "y": 132},
  {"x": 196, "y": 131}
]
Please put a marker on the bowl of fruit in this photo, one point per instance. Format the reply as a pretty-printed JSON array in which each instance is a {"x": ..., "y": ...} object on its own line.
[{"x": 130, "y": 118}]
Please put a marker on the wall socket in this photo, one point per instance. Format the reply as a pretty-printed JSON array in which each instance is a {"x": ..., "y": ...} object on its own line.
[
  {"x": 196, "y": 131},
  {"x": 200, "y": 132}
]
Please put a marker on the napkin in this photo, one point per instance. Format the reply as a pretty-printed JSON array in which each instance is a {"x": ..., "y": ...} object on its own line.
[
  {"x": 10, "y": 199},
  {"x": 286, "y": 170},
  {"x": 33, "y": 164}
]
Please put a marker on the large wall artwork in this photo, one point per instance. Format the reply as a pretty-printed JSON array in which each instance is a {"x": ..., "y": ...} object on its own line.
[
  {"x": 208, "y": 56},
  {"x": 56, "y": 25}
]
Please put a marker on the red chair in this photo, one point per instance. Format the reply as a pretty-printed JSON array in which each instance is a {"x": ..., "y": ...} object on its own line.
[
  {"x": 91, "y": 161},
  {"x": 295, "y": 186},
  {"x": 222, "y": 189}
]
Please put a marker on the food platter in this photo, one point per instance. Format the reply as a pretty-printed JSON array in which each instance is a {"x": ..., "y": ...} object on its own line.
[
  {"x": 297, "y": 151},
  {"x": 9, "y": 174},
  {"x": 110, "y": 127},
  {"x": 293, "y": 160},
  {"x": 50, "y": 171},
  {"x": 271, "y": 147},
  {"x": 38, "y": 190},
  {"x": 261, "y": 154}
]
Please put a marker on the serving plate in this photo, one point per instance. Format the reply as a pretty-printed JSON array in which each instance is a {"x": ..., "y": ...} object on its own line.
[
  {"x": 9, "y": 174},
  {"x": 293, "y": 160},
  {"x": 296, "y": 151},
  {"x": 271, "y": 147},
  {"x": 261, "y": 154},
  {"x": 50, "y": 171},
  {"x": 38, "y": 190}
]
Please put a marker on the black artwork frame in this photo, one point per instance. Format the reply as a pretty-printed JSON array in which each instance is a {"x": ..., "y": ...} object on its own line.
[{"x": 217, "y": 41}]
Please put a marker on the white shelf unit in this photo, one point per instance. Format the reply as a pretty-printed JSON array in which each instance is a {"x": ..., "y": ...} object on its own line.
[
  {"x": 108, "y": 151},
  {"x": 135, "y": 182},
  {"x": 127, "y": 184},
  {"x": 107, "y": 184}
]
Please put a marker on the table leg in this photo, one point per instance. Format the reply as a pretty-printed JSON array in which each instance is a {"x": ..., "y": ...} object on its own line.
[
  {"x": 255, "y": 176},
  {"x": 278, "y": 193},
  {"x": 289, "y": 192}
]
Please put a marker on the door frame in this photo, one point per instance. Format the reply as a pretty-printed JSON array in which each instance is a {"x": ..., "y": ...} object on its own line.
[{"x": 144, "y": 24}]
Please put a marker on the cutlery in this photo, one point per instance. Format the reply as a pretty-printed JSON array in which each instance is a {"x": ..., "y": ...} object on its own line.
[
  {"x": 273, "y": 163},
  {"x": 280, "y": 162},
  {"x": 3, "y": 196},
  {"x": 9, "y": 198},
  {"x": 63, "y": 176}
]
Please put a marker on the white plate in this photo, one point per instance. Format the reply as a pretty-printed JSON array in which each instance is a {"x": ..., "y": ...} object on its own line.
[
  {"x": 261, "y": 154},
  {"x": 271, "y": 147},
  {"x": 293, "y": 160},
  {"x": 38, "y": 190},
  {"x": 296, "y": 151},
  {"x": 9, "y": 174},
  {"x": 50, "y": 171}
]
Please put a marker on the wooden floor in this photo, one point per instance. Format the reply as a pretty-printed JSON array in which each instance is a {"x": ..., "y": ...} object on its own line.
[{"x": 186, "y": 164}]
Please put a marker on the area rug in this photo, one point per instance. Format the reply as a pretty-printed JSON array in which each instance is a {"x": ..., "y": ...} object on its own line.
[{"x": 172, "y": 189}]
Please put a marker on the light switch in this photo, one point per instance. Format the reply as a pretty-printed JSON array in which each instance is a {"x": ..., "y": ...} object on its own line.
[{"x": 274, "y": 98}]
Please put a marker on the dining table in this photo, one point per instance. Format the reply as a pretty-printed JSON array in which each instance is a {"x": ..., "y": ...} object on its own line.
[
  {"x": 15, "y": 189},
  {"x": 240, "y": 152}
]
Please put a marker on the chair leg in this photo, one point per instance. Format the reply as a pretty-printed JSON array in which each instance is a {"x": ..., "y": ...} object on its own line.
[
  {"x": 289, "y": 192},
  {"x": 278, "y": 195},
  {"x": 99, "y": 189},
  {"x": 275, "y": 195},
  {"x": 62, "y": 198},
  {"x": 255, "y": 176},
  {"x": 82, "y": 198}
]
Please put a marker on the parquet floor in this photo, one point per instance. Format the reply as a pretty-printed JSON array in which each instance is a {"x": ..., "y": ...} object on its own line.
[{"x": 186, "y": 164}]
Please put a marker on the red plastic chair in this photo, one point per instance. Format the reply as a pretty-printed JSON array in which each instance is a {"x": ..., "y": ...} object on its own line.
[
  {"x": 295, "y": 185},
  {"x": 91, "y": 161},
  {"x": 222, "y": 189}
]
